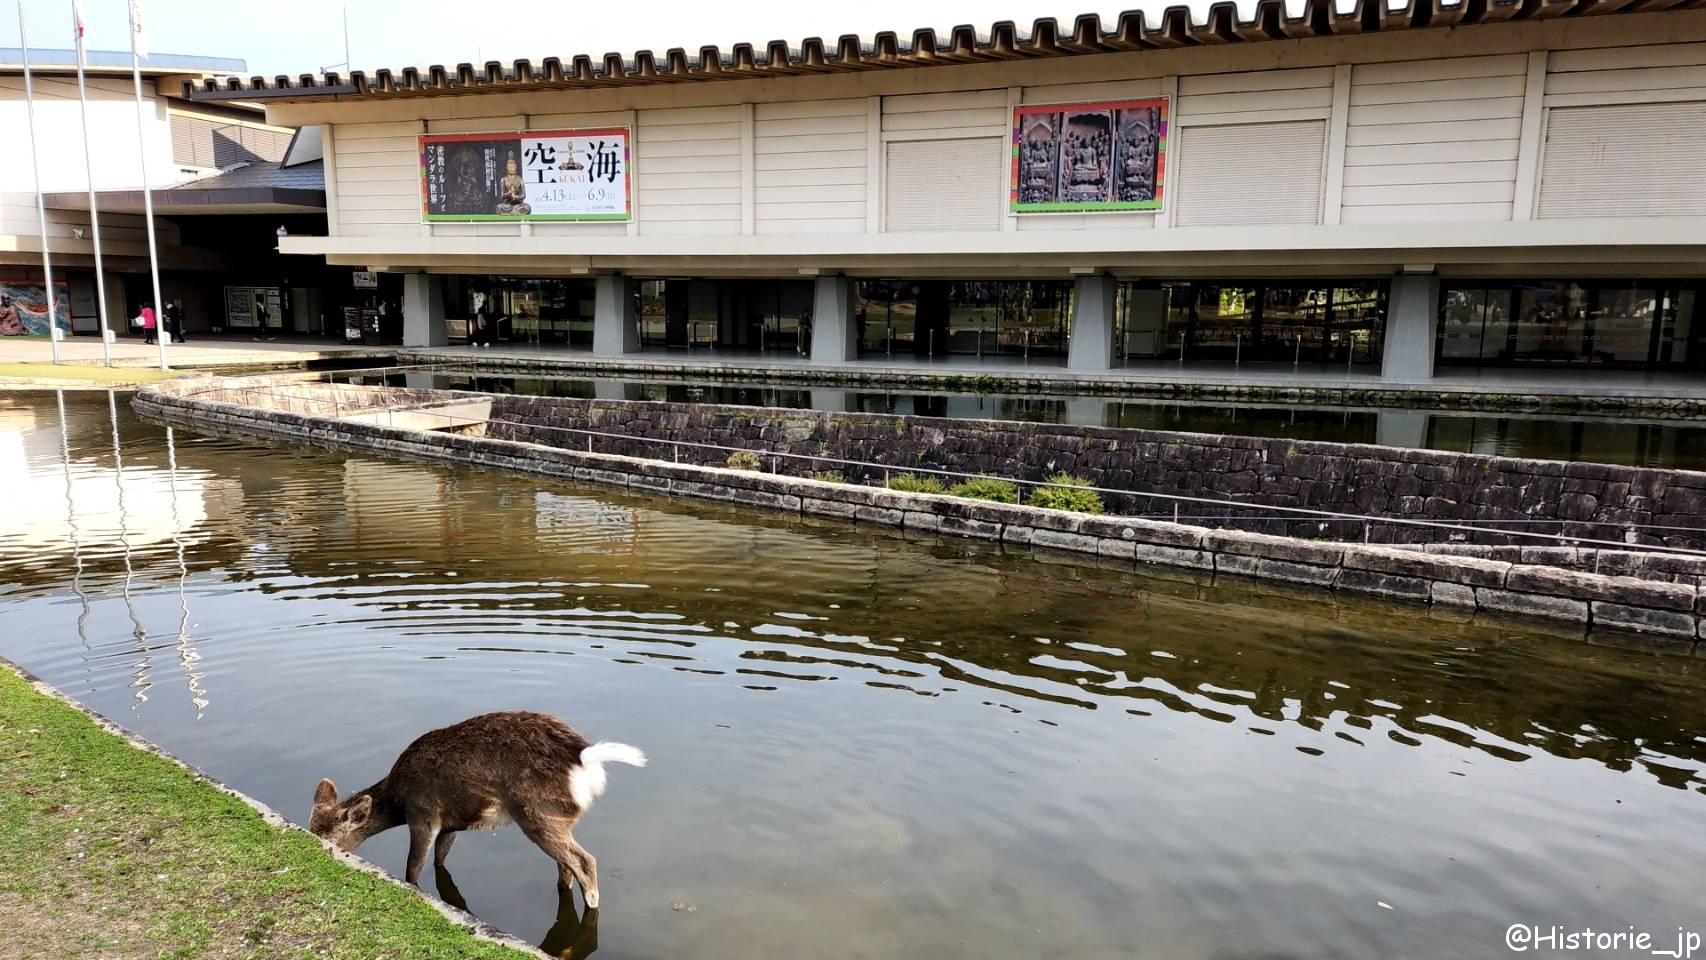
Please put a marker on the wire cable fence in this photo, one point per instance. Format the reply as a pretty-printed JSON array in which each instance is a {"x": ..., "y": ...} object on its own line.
[{"x": 1203, "y": 509}]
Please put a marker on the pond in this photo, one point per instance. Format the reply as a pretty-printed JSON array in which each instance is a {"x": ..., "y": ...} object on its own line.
[
  {"x": 861, "y": 745},
  {"x": 1628, "y": 441}
]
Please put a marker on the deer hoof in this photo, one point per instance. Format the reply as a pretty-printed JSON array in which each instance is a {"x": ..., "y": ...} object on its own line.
[{"x": 592, "y": 899}]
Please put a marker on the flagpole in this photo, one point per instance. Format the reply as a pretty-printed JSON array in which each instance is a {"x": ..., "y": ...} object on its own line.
[
  {"x": 161, "y": 333},
  {"x": 89, "y": 171},
  {"x": 41, "y": 206}
]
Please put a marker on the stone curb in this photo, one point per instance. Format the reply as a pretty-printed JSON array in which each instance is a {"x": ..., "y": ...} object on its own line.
[
  {"x": 474, "y": 925},
  {"x": 1435, "y": 577}
]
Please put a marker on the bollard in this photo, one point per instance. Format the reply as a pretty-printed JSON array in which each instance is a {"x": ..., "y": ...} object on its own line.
[{"x": 1238, "y": 351}]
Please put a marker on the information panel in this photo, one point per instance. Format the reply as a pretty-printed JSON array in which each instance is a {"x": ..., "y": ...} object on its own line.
[{"x": 537, "y": 175}]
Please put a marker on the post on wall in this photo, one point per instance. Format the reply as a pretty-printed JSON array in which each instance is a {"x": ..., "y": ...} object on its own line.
[
  {"x": 613, "y": 329},
  {"x": 1411, "y": 311},
  {"x": 834, "y": 339},
  {"x": 1092, "y": 344},
  {"x": 423, "y": 311}
]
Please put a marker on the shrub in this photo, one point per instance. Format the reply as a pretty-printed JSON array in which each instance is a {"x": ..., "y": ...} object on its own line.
[
  {"x": 911, "y": 483},
  {"x": 745, "y": 460},
  {"x": 1070, "y": 495},
  {"x": 986, "y": 488},
  {"x": 827, "y": 476}
]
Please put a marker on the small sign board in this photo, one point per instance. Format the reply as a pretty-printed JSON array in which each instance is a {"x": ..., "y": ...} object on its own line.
[{"x": 366, "y": 280}]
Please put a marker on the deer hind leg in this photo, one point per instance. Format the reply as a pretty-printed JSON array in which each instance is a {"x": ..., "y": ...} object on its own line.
[
  {"x": 422, "y": 834},
  {"x": 551, "y": 834},
  {"x": 441, "y": 848}
]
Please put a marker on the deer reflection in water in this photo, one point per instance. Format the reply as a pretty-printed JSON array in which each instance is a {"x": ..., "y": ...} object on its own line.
[{"x": 572, "y": 936}]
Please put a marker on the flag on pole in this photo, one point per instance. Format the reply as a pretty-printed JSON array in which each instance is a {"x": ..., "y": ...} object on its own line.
[
  {"x": 138, "y": 30},
  {"x": 77, "y": 25}
]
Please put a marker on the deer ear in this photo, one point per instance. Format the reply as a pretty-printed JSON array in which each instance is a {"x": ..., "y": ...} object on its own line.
[
  {"x": 326, "y": 793},
  {"x": 359, "y": 810}
]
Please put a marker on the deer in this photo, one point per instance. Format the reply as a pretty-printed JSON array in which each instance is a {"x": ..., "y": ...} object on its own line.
[{"x": 530, "y": 769}]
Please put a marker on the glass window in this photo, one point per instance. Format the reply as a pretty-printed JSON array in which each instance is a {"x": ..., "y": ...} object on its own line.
[{"x": 1551, "y": 324}]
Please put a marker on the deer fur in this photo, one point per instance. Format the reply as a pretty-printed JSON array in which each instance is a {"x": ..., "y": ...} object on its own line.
[{"x": 485, "y": 772}]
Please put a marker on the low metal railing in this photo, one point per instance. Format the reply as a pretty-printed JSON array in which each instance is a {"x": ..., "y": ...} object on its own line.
[{"x": 1457, "y": 531}]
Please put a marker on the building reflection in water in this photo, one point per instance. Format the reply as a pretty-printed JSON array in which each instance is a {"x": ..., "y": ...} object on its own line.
[
  {"x": 75, "y": 538},
  {"x": 140, "y": 679},
  {"x": 188, "y": 658}
]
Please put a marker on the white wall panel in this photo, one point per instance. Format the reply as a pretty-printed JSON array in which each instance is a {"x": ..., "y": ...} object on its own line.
[
  {"x": 1433, "y": 140},
  {"x": 809, "y": 167},
  {"x": 695, "y": 185},
  {"x": 1258, "y": 173},
  {"x": 938, "y": 185},
  {"x": 1624, "y": 160}
]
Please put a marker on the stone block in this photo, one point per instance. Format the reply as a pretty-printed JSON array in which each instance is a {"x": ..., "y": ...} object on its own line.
[
  {"x": 1172, "y": 556},
  {"x": 882, "y": 515},
  {"x": 1384, "y": 584},
  {"x": 1146, "y": 531},
  {"x": 1427, "y": 566},
  {"x": 1629, "y": 591},
  {"x": 1118, "y": 549},
  {"x": 1057, "y": 540},
  {"x": 1672, "y": 623},
  {"x": 1271, "y": 547},
  {"x": 968, "y": 527},
  {"x": 921, "y": 520},
  {"x": 828, "y": 508},
  {"x": 1453, "y": 594},
  {"x": 1532, "y": 604},
  {"x": 1017, "y": 533}
]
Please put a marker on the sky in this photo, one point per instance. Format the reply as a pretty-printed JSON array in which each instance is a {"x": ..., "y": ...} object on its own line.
[{"x": 304, "y": 36}]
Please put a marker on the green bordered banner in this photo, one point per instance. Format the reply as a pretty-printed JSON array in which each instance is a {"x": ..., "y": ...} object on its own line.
[
  {"x": 1095, "y": 157},
  {"x": 536, "y": 175}
]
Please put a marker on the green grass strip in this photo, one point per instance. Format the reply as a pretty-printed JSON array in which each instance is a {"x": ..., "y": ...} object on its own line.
[
  {"x": 86, "y": 372},
  {"x": 110, "y": 851}
]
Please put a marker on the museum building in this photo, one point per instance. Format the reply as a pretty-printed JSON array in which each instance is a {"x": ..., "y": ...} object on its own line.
[{"x": 1392, "y": 191}]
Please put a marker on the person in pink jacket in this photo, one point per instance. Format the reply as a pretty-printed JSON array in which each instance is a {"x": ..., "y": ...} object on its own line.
[{"x": 150, "y": 327}]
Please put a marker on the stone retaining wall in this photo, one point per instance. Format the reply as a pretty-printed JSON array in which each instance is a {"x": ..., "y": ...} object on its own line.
[
  {"x": 875, "y": 376},
  {"x": 1589, "y": 501},
  {"x": 1672, "y": 610}
]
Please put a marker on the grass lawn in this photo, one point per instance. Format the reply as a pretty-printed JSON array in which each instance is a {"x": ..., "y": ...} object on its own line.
[
  {"x": 87, "y": 372},
  {"x": 107, "y": 851}
]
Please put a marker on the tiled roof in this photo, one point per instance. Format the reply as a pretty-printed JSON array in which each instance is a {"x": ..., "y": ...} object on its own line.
[
  {"x": 263, "y": 174},
  {"x": 1046, "y": 38}
]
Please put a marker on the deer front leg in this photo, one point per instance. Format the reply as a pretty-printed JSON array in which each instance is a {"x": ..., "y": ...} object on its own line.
[{"x": 421, "y": 836}]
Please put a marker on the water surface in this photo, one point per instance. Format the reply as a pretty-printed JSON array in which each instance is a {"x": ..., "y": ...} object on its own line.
[{"x": 862, "y": 745}]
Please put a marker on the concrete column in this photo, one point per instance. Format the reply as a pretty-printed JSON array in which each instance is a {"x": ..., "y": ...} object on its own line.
[
  {"x": 613, "y": 330},
  {"x": 1401, "y": 428},
  {"x": 423, "y": 311},
  {"x": 835, "y": 338},
  {"x": 1411, "y": 312},
  {"x": 1092, "y": 344}
]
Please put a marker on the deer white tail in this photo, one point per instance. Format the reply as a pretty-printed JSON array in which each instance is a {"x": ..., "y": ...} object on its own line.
[{"x": 587, "y": 781}]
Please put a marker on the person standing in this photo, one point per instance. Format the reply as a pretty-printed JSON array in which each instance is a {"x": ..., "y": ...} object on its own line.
[
  {"x": 175, "y": 321},
  {"x": 261, "y": 318},
  {"x": 150, "y": 324}
]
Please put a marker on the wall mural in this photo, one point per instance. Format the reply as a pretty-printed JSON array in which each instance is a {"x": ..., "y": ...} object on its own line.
[
  {"x": 23, "y": 307},
  {"x": 537, "y": 175},
  {"x": 1089, "y": 157}
]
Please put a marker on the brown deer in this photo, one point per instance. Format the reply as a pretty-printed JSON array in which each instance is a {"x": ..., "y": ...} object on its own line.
[{"x": 480, "y": 774}]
